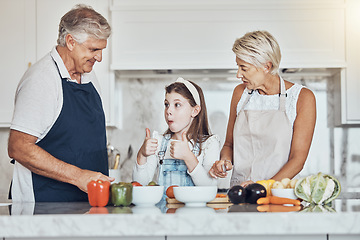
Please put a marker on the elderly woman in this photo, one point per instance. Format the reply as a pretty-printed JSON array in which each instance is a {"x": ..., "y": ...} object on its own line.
[{"x": 271, "y": 120}]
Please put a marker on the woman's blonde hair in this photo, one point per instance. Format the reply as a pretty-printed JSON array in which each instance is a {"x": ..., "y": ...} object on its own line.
[{"x": 258, "y": 48}]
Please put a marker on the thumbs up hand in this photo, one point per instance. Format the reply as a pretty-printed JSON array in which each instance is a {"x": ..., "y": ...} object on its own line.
[
  {"x": 149, "y": 146},
  {"x": 180, "y": 149}
]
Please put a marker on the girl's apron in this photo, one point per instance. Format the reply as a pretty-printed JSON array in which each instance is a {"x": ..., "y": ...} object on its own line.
[
  {"x": 78, "y": 137},
  {"x": 173, "y": 171},
  {"x": 262, "y": 140}
]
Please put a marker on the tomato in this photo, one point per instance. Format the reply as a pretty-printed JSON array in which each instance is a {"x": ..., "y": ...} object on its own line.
[
  {"x": 134, "y": 183},
  {"x": 170, "y": 191}
]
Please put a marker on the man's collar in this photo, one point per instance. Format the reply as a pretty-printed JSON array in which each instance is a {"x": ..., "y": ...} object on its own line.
[
  {"x": 59, "y": 62},
  {"x": 63, "y": 71}
]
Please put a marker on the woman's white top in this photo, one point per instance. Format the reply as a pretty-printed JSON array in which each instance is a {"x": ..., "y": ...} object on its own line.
[
  {"x": 271, "y": 102},
  {"x": 200, "y": 175}
]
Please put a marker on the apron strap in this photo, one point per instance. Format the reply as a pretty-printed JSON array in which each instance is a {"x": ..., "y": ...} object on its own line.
[
  {"x": 250, "y": 92},
  {"x": 164, "y": 143},
  {"x": 282, "y": 96}
]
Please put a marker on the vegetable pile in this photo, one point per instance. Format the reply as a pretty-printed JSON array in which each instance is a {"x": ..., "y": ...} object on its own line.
[{"x": 318, "y": 188}]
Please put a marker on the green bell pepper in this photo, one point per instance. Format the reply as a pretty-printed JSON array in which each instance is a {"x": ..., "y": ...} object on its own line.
[{"x": 121, "y": 194}]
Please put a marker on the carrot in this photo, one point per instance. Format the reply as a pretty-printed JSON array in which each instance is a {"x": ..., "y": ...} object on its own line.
[
  {"x": 277, "y": 200},
  {"x": 221, "y": 195},
  {"x": 263, "y": 200},
  {"x": 278, "y": 208}
]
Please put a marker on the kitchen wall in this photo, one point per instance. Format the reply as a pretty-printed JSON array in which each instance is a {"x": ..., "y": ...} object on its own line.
[
  {"x": 334, "y": 150},
  {"x": 139, "y": 103}
]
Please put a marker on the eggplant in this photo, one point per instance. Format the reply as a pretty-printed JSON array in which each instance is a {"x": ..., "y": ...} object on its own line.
[
  {"x": 253, "y": 192},
  {"x": 236, "y": 194}
]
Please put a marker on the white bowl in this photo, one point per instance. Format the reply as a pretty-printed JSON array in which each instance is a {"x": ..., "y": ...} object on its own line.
[
  {"x": 147, "y": 195},
  {"x": 285, "y": 193},
  {"x": 195, "y": 196}
]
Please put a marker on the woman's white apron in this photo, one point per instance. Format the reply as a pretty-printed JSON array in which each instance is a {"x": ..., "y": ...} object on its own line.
[{"x": 262, "y": 140}]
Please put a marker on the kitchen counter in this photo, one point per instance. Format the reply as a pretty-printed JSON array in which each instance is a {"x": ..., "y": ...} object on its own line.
[{"x": 221, "y": 220}]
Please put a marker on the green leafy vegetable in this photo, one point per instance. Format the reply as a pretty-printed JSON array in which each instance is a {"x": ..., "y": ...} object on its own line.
[{"x": 318, "y": 189}]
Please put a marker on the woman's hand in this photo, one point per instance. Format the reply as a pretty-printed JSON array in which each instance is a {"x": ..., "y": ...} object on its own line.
[{"x": 220, "y": 168}]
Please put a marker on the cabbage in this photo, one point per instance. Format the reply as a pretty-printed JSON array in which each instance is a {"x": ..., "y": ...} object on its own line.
[{"x": 318, "y": 189}]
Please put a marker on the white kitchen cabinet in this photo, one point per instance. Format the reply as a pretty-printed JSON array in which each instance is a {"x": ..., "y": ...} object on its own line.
[
  {"x": 17, "y": 25},
  {"x": 49, "y": 13},
  {"x": 350, "y": 85},
  {"x": 199, "y": 34},
  {"x": 347, "y": 82}
]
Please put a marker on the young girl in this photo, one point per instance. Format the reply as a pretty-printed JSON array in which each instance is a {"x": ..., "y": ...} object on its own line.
[{"x": 187, "y": 150}]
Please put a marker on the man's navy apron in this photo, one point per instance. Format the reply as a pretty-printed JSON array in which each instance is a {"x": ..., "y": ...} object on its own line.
[{"x": 78, "y": 137}]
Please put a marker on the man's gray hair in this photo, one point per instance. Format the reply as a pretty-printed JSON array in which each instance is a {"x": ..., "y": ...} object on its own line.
[{"x": 83, "y": 22}]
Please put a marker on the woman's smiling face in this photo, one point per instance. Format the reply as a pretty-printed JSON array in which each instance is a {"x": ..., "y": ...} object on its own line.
[
  {"x": 249, "y": 74},
  {"x": 178, "y": 112}
]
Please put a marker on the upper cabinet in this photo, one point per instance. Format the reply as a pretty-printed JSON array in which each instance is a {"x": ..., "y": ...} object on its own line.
[
  {"x": 199, "y": 34},
  {"x": 350, "y": 86},
  {"x": 187, "y": 34}
]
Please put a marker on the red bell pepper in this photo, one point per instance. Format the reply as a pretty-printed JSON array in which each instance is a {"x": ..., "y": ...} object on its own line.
[{"x": 98, "y": 193}]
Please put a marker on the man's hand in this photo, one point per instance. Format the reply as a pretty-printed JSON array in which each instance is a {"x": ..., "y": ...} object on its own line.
[{"x": 87, "y": 176}]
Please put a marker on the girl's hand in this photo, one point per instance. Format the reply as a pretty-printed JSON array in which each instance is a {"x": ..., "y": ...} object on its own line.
[
  {"x": 220, "y": 168},
  {"x": 149, "y": 146},
  {"x": 180, "y": 149}
]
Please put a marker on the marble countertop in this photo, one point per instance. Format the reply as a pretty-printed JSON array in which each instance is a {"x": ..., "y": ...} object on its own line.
[{"x": 80, "y": 220}]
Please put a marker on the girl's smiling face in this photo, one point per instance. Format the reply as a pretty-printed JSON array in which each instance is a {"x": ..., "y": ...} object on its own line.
[{"x": 179, "y": 114}]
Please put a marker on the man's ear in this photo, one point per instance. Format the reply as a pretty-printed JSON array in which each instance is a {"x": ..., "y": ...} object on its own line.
[
  {"x": 196, "y": 111},
  {"x": 70, "y": 42}
]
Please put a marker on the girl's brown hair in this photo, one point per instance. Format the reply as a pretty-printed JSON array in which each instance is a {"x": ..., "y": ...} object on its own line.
[{"x": 199, "y": 129}]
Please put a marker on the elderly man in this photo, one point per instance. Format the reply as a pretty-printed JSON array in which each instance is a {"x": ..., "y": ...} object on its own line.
[{"x": 57, "y": 136}]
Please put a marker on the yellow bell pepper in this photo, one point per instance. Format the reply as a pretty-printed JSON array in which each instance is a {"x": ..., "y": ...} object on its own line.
[{"x": 267, "y": 184}]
